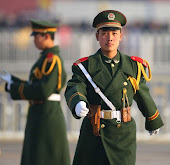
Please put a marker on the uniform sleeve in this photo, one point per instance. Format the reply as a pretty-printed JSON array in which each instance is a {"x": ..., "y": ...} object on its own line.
[
  {"x": 148, "y": 108},
  {"x": 76, "y": 89},
  {"x": 14, "y": 79},
  {"x": 39, "y": 89}
]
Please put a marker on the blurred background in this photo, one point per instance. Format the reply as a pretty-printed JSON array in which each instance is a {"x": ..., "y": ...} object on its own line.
[{"x": 147, "y": 35}]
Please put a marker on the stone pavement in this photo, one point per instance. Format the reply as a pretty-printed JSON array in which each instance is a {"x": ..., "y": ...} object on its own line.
[{"x": 148, "y": 153}]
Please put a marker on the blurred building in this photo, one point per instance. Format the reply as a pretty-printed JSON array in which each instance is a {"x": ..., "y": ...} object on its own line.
[{"x": 17, "y": 6}]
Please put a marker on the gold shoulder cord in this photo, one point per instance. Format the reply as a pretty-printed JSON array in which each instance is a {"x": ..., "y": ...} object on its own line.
[
  {"x": 37, "y": 73},
  {"x": 135, "y": 82},
  {"x": 55, "y": 59}
]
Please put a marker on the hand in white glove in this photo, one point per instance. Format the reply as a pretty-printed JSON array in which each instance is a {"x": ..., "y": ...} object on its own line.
[
  {"x": 6, "y": 76},
  {"x": 81, "y": 109},
  {"x": 155, "y": 132}
]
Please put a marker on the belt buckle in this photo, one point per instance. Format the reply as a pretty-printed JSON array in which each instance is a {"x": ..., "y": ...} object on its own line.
[{"x": 107, "y": 114}]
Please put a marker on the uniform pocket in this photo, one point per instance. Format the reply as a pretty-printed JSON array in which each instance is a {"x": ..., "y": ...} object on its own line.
[{"x": 112, "y": 129}]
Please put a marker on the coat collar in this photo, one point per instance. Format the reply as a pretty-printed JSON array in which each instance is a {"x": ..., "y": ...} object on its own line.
[
  {"x": 49, "y": 50},
  {"x": 96, "y": 63}
]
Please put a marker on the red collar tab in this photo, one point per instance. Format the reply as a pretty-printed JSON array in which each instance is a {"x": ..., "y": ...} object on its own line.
[
  {"x": 134, "y": 58},
  {"x": 80, "y": 60},
  {"x": 49, "y": 55}
]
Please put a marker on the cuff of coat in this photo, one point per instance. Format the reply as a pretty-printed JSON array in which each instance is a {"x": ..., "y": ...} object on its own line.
[
  {"x": 73, "y": 100},
  {"x": 151, "y": 125},
  {"x": 6, "y": 89},
  {"x": 15, "y": 79},
  {"x": 17, "y": 91}
]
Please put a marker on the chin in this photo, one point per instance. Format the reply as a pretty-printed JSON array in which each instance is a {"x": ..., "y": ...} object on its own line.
[
  {"x": 110, "y": 50},
  {"x": 38, "y": 48}
]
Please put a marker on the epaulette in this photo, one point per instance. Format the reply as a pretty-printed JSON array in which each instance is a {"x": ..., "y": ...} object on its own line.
[
  {"x": 49, "y": 57},
  {"x": 142, "y": 61},
  {"x": 80, "y": 60},
  {"x": 52, "y": 59}
]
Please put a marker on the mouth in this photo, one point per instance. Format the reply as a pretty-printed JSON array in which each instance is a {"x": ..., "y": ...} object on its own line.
[{"x": 109, "y": 44}]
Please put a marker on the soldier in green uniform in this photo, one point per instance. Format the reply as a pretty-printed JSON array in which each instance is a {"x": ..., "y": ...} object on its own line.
[
  {"x": 111, "y": 80},
  {"x": 45, "y": 139}
]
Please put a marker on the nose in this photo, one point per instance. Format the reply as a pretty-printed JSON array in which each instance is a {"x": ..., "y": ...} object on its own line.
[{"x": 110, "y": 37}]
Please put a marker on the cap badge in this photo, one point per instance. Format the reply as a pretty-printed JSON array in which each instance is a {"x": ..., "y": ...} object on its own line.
[{"x": 111, "y": 16}]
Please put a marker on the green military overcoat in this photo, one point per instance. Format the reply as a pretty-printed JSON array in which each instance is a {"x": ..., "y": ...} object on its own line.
[
  {"x": 45, "y": 139},
  {"x": 116, "y": 145}
]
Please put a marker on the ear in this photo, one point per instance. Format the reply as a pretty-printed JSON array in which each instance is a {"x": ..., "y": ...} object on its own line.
[
  {"x": 121, "y": 36},
  {"x": 97, "y": 36},
  {"x": 47, "y": 35}
]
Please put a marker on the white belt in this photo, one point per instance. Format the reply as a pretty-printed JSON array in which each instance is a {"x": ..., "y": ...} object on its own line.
[
  {"x": 54, "y": 97},
  {"x": 110, "y": 114}
]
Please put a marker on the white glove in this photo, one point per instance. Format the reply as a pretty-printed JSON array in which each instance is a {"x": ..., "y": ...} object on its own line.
[
  {"x": 81, "y": 109},
  {"x": 6, "y": 76},
  {"x": 155, "y": 132}
]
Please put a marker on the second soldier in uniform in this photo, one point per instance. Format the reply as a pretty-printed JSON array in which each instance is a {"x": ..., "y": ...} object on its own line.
[
  {"x": 45, "y": 139},
  {"x": 102, "y": 89}
]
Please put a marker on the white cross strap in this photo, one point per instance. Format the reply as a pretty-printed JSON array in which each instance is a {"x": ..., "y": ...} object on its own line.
[{"x": 96, "y": 88}]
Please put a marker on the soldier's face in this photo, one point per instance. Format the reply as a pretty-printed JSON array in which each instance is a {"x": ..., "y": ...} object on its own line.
[
  {"x": 39, "y": 41},
  {"x": 109, "y": 40}
]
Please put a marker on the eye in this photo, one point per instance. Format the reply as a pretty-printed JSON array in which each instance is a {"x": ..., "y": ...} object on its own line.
[{"x": 104, "y": 33}]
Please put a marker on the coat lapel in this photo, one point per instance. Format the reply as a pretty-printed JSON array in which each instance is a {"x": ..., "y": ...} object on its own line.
[
  {"x": 126, "y": 65},
  {"x": 99, "y": 73},
  {"x": 117, "y": 81}
]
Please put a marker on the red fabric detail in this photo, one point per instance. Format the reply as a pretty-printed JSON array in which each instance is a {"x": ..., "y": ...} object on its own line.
[
  {"x": 49, "y": 55},
  {"x": 80, "y": 60},
  {"x": 134, "y": 58},
  {"x": 154, "y": 116}
]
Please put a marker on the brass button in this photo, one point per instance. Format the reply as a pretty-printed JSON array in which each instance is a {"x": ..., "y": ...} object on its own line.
[
  {"x": 102, "y": 125},
  {"x": 125, "y": 83},
  {"x": 112, "y": 65},
  {"x": 118, "y": 125}
]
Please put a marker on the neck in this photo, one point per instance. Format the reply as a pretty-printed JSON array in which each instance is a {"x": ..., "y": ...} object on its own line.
[
  {"x": 110, "y": 54},
  {"x": 49, "y": 45}
]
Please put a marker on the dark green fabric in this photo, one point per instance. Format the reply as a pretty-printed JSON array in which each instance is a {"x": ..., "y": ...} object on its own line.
[
  {"x": 115, "y": 146},
  {"x": 119, "y": 144},
  {"x": 45, "y": 139},
  {"x": 41, "y": 24}
]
